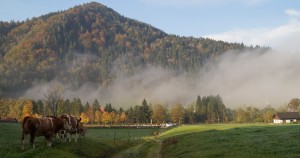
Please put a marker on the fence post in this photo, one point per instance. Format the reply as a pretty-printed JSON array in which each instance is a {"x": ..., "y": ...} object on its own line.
[
  {"x": 128, "y": 135},
  {"x": 115, "y": 137}
]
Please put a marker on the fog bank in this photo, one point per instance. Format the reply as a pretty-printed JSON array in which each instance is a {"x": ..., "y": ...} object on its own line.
[{"x": 244, "y": 78}]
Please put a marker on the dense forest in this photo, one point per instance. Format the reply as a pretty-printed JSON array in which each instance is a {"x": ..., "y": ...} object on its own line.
[
  {"x": 206, "y": 109},
  {"x": 93, "y": 43}
]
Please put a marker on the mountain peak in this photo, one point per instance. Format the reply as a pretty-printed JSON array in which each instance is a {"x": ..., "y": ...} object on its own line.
[{"x": 93, "y": 43}]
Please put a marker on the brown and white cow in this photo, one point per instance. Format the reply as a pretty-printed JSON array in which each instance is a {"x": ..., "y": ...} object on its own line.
[
  {"x": 81, "y": 130},
  {"x": 46, "y": 126},
  {"x": 76, "y": 128}
]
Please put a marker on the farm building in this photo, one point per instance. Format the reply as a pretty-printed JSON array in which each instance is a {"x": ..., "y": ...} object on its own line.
[{"x": 286, "y": 117}]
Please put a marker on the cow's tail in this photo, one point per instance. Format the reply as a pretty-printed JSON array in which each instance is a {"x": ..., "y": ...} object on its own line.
[
  {"x": 25, "y": 120},
  {"x": 23, "y": 132}
]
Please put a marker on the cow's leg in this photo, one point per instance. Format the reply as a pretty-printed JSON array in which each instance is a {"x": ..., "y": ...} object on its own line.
[
  {"x": 49, "y": 139},
  {"x": 32, "y": 137},
  {"x": 76, "y": 137},
  {"x": 70, "y": 137},
  {"x": 65, "y": 136},
  {"x": 22, "y": 140}
]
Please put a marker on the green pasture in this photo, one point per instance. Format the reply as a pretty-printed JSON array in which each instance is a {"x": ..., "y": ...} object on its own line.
[
  {"x": 215, "y": 140},
  {"x": 232, "y": 140},
  {"x": 102, "y": 142}
]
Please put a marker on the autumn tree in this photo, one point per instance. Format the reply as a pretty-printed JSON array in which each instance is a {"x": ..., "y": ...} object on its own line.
[
  {"x": 16, "y": 108},
  {"x": 98, "y": 116},
  {"x": 159, "y": 113},
  {"x": 294, "y": 104},
  {"x": 27, "y": 108},
  {"x": 241, "y": 116},
  {"x": 4, "y": 108},
  {"x": 106, "y": 118},
  {"x": 123, "y": 117},
  {"x": 90, "y": 112},
  {"x": 177, "y": 113},
  {"x": 84, "y": 117},
  {"x": 114, "y": 117},
  {"x": 253, "y": 114},
  {"x": 267, "y": 114},
  {"x": 53, "y": 98}
]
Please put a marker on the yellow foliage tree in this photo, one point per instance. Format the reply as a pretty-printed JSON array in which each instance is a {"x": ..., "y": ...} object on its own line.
[
  {"x": 27, "y": 108},
  {"x": 159, "y": 113},
  {"x": 84, "y": 117},
  {"x": 177, "y": 113},
  {"x": 16, "y": 108},
  {"x": 114, "y": 117},
  {"x": 98, "y": 116},
  {"x": 123, "y": 117},
  {"x": 106, "y": 117}
]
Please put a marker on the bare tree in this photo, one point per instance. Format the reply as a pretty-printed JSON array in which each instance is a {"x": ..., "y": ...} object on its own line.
[
  {"x": 53, "y": 98},
  {"x": 294, "y": 104}
]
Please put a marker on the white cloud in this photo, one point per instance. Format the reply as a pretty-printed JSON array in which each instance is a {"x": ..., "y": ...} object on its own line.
[
  {"x": 293, "y": 12},
  {"x": 181, "y": 3},
  {"x": 284, "y": 37}
]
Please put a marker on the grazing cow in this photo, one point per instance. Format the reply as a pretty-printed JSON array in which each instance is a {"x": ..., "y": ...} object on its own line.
[
  {"x": 74, "y": 125},
  {"x": 81, "y": 130},
  {"x": 46, "y": 126}
]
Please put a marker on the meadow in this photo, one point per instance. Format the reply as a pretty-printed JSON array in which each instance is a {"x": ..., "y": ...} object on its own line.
[
  {"x": 214, "y": 140},
  {"x": 103, "y": 142}
]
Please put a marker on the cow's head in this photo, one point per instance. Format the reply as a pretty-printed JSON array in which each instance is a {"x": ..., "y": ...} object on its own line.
[
  {"x": 82, "y": 130},
  {"x": 78, "y": 123}
]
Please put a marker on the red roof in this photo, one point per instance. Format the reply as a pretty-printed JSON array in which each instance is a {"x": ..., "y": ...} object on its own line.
[{"x": 287, "y": 115}]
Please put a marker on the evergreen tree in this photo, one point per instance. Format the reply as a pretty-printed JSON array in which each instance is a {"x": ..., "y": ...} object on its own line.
[
  {"x": 108, "y": 108},
  {"x": 67, "y": 107},
  {"x": 77, "y": 107},
  {"x": 96, "y": 105},
  {"x": 145, "y": 112}
]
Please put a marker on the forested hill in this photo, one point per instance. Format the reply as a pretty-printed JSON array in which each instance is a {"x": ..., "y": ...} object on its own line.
[{"x": 93, "y": 43}]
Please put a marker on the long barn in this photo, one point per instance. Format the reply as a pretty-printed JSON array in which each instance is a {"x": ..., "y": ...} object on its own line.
[{"x": 286, "y": 117}]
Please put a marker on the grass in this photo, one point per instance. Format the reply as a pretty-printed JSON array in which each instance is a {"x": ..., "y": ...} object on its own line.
[
  {"x": 99, "y": 143},
  {"x": 232, "y": 140},
  {"x": 217, "y": 140}
]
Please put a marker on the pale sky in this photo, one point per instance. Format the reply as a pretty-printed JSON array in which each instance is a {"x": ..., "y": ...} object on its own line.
[
  {"x": 182, "y": 17},
  {"x": 263, "y": 22}
]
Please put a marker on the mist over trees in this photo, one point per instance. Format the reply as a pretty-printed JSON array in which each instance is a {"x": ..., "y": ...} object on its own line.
[{"x": 93, "y": 43}]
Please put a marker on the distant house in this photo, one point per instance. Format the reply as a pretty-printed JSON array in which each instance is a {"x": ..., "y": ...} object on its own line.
[{"x": 286, "y": 117}]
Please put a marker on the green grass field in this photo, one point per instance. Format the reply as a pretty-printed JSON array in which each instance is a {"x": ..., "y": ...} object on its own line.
[
  {"x": 99, "y": 143},
  {"x": 232, "y": 140},
  {"x": 217, "y": 140}
]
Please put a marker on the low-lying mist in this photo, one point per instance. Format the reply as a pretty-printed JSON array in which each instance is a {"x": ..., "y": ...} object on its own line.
[{"x": 244, "y": 78}]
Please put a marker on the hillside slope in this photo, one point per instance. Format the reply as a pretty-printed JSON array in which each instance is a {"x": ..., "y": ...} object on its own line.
[{"x": 93, "y": 43}]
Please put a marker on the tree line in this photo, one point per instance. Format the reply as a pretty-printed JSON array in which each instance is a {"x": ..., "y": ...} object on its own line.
[{"x": 206, "y": 109}]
